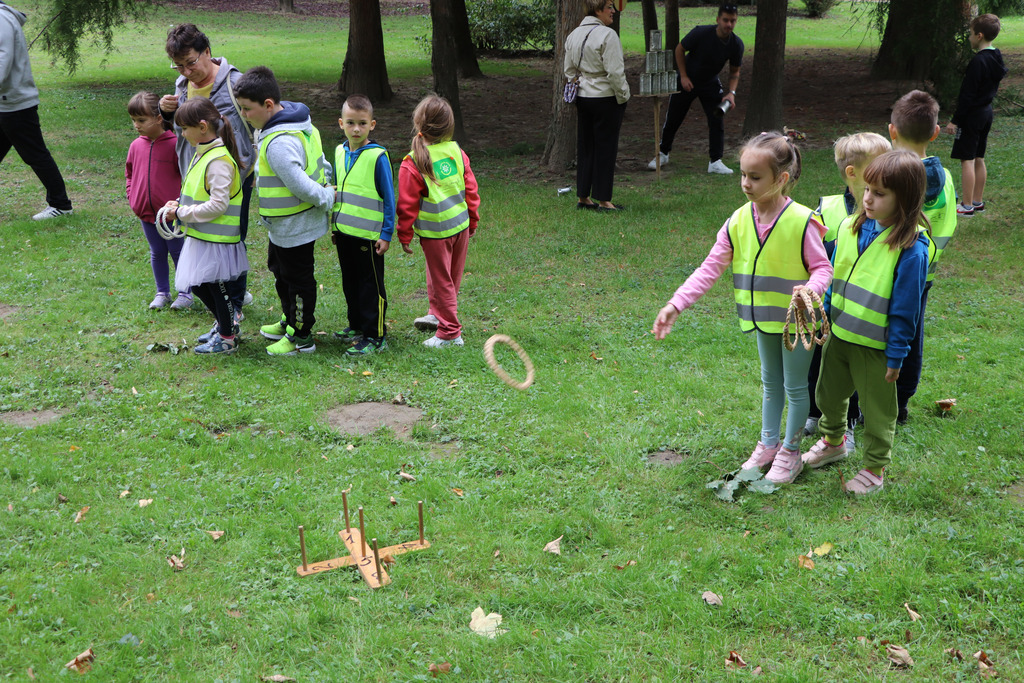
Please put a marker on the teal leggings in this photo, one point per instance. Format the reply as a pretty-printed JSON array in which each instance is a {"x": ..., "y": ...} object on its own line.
[{"x": 783, "y": 376}]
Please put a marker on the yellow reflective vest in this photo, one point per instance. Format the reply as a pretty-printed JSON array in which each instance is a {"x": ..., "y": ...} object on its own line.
[
  {"x": 765, "y": 272},
  {"x": 941, "y": 213},
  {"x": 358, "y": 207},
  {"x": 444, "y": 212},
  {"x": 832, "y": 212},
  {"x": 224, "y": 228},
  {"x": 275, "y": 197}
]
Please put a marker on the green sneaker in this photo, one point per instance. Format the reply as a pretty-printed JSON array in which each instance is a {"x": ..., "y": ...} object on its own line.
[
  {"x": 290, "y": 345},
  {"x": 274, "y": 331},
  {"x": 349, "y": 336},
  {"x": 366, "y": 346}
]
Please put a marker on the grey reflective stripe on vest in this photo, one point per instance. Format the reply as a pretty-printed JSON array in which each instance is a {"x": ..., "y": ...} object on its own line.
[
  {"x": 444, "y": 205},
  {"x": 859, "y": 295},
  {"x": 275, "y": 181},
  {"x": 362, "y": 202},
  {"x": 281, "y": 202},
  {"x": 232, "y": 210},
  {"x": 763, "y": 314},
  {"x": 846, "y": 321},
  {"x": 454, "y": 222},
  {"x": 358, "y": 223},
  {"x": 764, "y": 283},
  {"x": 941, "y": 242}
]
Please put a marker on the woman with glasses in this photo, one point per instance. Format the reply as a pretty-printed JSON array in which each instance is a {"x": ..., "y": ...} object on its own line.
[
  {"x": 201, "y": 75},
  {"x": 593, "y": 52}
]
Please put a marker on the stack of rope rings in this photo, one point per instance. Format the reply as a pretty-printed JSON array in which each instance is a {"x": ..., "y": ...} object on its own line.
[
  {"x": 499, "y": 371},
  {"x": 805, "y": 300},
  {"x": 168, "y": 232}
]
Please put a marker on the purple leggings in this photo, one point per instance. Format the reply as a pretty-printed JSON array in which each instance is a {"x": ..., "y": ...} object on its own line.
[{"x": 159, "y": 249}]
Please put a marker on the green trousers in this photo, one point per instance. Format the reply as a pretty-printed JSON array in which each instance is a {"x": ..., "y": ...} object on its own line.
[{"x": 846, "y": 368}]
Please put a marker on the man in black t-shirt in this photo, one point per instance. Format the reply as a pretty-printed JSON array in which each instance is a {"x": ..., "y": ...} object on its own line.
[{"x": 700, "y": 56}]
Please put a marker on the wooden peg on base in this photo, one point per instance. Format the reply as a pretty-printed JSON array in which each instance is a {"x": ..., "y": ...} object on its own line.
[{"x": 302, "y": 546}]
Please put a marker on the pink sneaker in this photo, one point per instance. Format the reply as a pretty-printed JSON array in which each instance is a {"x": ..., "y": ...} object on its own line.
[
  {"x": 761, "y": 458},
  {"x": 786, "y": 468},
  {"x": 823, "y": 453},
  {"x": 865, "y": 482}
]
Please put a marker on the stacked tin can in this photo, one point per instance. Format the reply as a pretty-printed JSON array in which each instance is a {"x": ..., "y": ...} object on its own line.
[{"x": 659, "y": 76}]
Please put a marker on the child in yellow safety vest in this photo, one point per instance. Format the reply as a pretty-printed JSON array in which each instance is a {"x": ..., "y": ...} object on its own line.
[
  {"x": 881, "y": 262},
  {"x": 439, "y": 202},
  {"x": 209, "y": 209},
  {"x": 775, "y": 249}
]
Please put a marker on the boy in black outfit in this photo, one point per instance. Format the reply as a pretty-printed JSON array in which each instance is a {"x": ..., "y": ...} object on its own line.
[{"x": 973, "y": 117}]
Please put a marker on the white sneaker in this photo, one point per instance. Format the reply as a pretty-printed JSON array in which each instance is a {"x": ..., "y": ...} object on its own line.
[
  {"x": 160, "y": 300},
  {"x": 427, "y": 323},
  {"x": 653, "y": 166},
  {"x": 247, "y": 299},
  {"x": 51, "y": 212},
  {"x": 436, "y": 343},
  {"x": 719, "y": 167}
]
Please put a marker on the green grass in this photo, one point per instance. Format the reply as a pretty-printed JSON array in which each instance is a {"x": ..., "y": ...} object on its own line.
[{"x": 242, "y": 444}]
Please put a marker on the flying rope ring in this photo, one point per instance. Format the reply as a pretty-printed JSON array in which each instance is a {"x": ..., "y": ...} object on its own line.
[
  {"x": 499, "y": 371},
  {"x": 167, "y": 231}
]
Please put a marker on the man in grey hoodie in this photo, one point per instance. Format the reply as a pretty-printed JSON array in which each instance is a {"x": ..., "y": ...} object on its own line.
[{"x": 19, "y": 113}]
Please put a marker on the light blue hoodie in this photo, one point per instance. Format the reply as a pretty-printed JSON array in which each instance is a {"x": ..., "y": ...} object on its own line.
[{"x": 17, "y": 88}]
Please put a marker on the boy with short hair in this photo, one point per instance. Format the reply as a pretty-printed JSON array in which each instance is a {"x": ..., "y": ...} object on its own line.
[
  {"x": 291, "y": 172},
  {"x": 913, "y": 124},
  {"x": 973, "y": 118},
  {"x": 364, "y": 222},
  {"x": 853, "y": 153}
]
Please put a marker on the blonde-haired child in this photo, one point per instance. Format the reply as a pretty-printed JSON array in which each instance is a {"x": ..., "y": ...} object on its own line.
[
  {"x": 439, "y": 202},
  {"x": 775, "y": 249}
]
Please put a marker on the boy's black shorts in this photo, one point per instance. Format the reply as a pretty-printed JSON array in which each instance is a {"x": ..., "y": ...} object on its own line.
[{"x": 972, "y": 136}]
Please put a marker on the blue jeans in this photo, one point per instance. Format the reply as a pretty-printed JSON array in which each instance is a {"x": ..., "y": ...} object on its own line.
[{"x": 783, "y": 377}]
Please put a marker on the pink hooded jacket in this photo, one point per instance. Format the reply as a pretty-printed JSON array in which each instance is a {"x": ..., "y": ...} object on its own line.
[{"x": 151, "y": 176}]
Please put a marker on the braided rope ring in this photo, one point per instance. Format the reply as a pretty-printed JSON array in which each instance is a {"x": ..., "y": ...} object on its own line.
[
  {"x": 167, "y": 231},
  {"x": 805, "y": 329},
  {"x": 499, "y": 371}
]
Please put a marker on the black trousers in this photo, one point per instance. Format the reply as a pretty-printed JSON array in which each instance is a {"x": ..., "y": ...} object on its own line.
[
  {"x": 20, "y": 129},
  {"x": 215, "y": 296},
  {"x": 710, "y": 95},
  {"x": 295, "y": 283},
  {"x": 599, "y": 120},
  {"x": 910, "y": 373},
  {"x": 362, "y": 280},
  {"x": 236, "y": 288}
]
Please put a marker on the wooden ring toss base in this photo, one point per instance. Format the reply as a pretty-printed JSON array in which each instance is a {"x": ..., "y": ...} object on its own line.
[{"x": 499, "y": 371}]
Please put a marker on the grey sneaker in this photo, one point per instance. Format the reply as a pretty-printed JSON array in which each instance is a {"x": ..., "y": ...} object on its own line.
[
  {"x": 161, "y": 300},
  {"x": 183, "y": 302},
  {"x": 247, "y": 299},
  {"x": 851, "y": 445},
  {"x": 427, "y": 323},
  {"x": 436, "y": 343},
  {"x": 811, "y": 426}
]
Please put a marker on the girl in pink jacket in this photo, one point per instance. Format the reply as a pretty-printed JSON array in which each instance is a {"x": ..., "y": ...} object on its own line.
[{"x": 151, "y": 179}]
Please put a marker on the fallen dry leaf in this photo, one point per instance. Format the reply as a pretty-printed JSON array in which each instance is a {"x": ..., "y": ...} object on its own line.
[
  {"x": 215, "y": 534},
  {"x": 442, "y": 668},
  {"x": 143, "y": 502},
  {"x": 177, "y": 563},
  {"x": 497, "y": 552},
  {"x": 946, "y": 404},
  {"x": 398, "y": 400},
  {"x": 955, "y": 654},
  {"x": 354, "y": 599},
  {"x": 711, "y": 598},
  {"x": 805, "y": 562},
  {"x": 31, "y": 674},
  {"x": 125, "y": 494},
  {"x": 10, "y": 507},
  {"x": 276, "y": 678},
  {"x": 150, "y": 597},
  {"x": 555, "y": 546},
  {"x": 366, "y": 373},
  {"x": 135, "y": 392},
  {"x": 823, "y": 549},
  {"x": 734, "y": 661},
  {"x": 74, "y": 448},
  {"x": 756, "y": 671},
  {"x": 862, "y": 640},
  {"x": 746, "y": 533},
  {"x": 899, "y": 656},
  {"x": 985, "y": 665},
  {"x": 406, "y": 476},
  {"x": 486, "y": 625},
  {"x": 594, "y": 355},
  {"x": 61, "y": 498},
  {"x": 234, "y": 614},
  {"x": 914, "y": 616},
  {"x": 350, "y": 447},
  {"x": 387, "y": 560},
  {"x": 458, "y": 492},
  {"x": 631, "y": 563},
  {"x": 393, "y": 501},
  {"x": 82, "y": 662},
  {"x": 81, "y": 514}
]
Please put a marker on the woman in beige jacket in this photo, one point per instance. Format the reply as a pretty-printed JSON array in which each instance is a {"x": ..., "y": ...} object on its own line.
[{"x": 593, "y": 52}]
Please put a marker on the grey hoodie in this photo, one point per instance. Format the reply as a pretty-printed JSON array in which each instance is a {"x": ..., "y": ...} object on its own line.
[
  {"x": 287, "y": 156},
  {"x": 17, "y": 88}
]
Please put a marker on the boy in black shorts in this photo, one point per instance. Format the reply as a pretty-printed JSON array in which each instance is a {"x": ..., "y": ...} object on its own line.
[{"x": 973, "y": 117}]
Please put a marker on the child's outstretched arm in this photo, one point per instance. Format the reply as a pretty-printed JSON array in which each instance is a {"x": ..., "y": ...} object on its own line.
[{"x": 663, "y": 323}]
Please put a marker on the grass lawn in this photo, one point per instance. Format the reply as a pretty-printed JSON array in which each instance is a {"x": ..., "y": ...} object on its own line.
[{"x": 243, "y": 444}]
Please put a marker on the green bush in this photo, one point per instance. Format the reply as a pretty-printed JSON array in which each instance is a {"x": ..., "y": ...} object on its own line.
[
  {"x": 1002, "y": 8},
  {"x": 512, "y": 24},
  {"x": 818, "y": 8}
]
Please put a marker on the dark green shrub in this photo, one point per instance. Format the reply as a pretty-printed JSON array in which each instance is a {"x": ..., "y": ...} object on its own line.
[
  {"x": 818, "y": 8},
  {"x": 512, "y": 24},
  {"x": 1001, "y": 8}
]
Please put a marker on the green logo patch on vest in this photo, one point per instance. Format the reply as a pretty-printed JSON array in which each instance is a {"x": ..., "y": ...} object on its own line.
[{"x": 445, "y": 168}]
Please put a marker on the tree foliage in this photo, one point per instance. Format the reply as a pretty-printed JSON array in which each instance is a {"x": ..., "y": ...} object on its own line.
[{"x": 69, "y": 22}]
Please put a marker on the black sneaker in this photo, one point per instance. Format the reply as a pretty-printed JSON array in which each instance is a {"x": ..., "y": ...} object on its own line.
[
  {"x": 349, "y": 336},
  {"x": 366, "y": 346}
]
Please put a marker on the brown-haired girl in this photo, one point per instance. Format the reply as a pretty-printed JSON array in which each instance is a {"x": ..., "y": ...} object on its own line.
[
  {"x": 209, "y": 210},
  {"x": 775, "y": 249},
  {"x": 439, "y": 202},
  {"x": 881, "y": 262}
]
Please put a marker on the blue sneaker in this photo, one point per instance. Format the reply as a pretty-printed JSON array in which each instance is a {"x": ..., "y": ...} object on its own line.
[
  {"x": 218, "y": 344},
  {"x": 207, "y": 336}
]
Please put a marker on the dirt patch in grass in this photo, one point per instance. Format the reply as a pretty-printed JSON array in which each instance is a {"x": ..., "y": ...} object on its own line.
[
  {"x": 667, "y": 458},
  {"x": 29, "y": 418},
  {"x": 6, "y": 310},
  {"x": 1016, "y": 494},
  {"x": 366, "y": 418}
]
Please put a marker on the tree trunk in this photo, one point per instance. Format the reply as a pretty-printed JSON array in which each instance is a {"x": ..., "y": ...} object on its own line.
[
  {"x": 365, "y": 70},
  {"x": 671, "y": 24},
  {"x": 764, "y": 110},
  {"x": 468, "y": 65},
  {"x": 650, "y": 14},
  {"x": 560, "y": 148},
  {"x": 286, "y": 5},
  {"x": 444, "y": 60}
]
